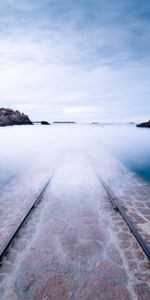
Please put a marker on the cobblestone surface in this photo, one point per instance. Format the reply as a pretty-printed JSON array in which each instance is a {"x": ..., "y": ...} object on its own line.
[
  {"x": 132, "y": 192},
  {"x": 75, "y": 246},
  {"x": 15, "y": 199}
]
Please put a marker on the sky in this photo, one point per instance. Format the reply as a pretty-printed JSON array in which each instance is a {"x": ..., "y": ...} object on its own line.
[{"x": 82, "y": 60}]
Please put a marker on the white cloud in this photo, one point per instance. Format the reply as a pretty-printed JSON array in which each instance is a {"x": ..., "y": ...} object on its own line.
[{"x": 78, "y": 65}]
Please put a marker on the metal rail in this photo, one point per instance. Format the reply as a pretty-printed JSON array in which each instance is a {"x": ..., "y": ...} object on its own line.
[
  {"x": 5, "y": 246},
  {"x": 122, "y": 212}
]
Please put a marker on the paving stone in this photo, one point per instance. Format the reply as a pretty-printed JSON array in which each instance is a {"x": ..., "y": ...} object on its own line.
[
  {"x": 1, "y": 292},
  {"x": 128, "y": 254},
  {"x": 124, "y": 236},
  {"x": 19, "y": 245},
  {"x": 139, "y": 204},
  {"x": 25, "y": 283},
  {"x": 140, "y": 255},
  {"x": 113, "y": 253},
  {"x": 99, "y": 289},
  {"x": 132, "y": 265},
  {"x": 142, "y": 291},
  {"x": 137, "y": 218},
  {"x": 5, "y": 268},
  {"x": 82, "y": 248},
  {"x": 124, "y": 244},
  {"x": 145, "y": 266},
  {"x": 111, "y": 271},
  {"x": 53, "y": 287},
  {"x": 145, "y": 211}
]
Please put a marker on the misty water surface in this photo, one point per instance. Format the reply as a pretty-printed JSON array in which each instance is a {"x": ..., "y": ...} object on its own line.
[{"x": 39, "y": 149}]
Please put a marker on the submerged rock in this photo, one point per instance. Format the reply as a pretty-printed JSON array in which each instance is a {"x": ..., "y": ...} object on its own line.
[
  {"x": 45, "y": 123},
  {"x": 144, "y": 124},
  {"x": 10, "y": 117}
]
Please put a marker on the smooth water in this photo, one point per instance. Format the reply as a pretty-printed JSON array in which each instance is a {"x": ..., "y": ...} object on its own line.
[
  {"x": 40, "y": 148},
  {"x": 131, "y": 145}
]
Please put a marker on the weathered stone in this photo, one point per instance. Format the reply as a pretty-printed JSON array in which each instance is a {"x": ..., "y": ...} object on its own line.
[
  {"x": 98, "y": 288},
  {"x": 142, "y": 291},
  {"x": 111, "y": 271},
  {"x": 144, "y": 124},
  {"x": 13, "y": 117},
  {"x": 145, "y": 266},
  {"x": 137, "y": 218},
  {"x": 53, "y": 286},
  {"x": 114, "y": 254},
  {"x": 132, "y": 265},
  {"x": 140, "y": 255}
]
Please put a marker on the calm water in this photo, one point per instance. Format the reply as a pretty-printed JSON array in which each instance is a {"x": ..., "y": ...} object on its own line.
[
  {"x": 40, "y": 148},
  {"x": 130, "y": 145}
]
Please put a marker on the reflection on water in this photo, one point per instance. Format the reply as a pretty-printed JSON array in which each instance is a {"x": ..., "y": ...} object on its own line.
[{"x": 38, "y": 147}]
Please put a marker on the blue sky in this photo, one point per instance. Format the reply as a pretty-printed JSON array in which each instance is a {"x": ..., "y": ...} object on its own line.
[{"x": 85, "y": 60}]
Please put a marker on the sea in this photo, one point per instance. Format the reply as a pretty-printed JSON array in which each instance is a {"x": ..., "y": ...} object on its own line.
[{"x": 39, "y": 148}]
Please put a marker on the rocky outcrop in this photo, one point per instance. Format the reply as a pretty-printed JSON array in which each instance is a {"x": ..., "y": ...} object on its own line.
[
  {"x": 45, "y": 123},
  {"x": 144, "y": 124},
  {"x": 9, "y": 117}
]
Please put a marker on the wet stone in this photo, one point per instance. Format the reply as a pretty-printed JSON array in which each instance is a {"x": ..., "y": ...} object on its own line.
[
  {"x": 143, "y": 277},
  {"x": 145, "y": 266},
  {"x": 125, "y": 244},
  {"x": 1, "y": 292},
  {"x": 98, "y": 288},
  {"x": 5, "y": 268},
  {"x": 142, "y": 291},
  {"x": 19, "y": 245},
  {"x": 25, "y": 282},
  {"x": 145, "y": 211},
  {"x": 111, "y": 271},
  {"x": 140, "y": 255},
  {"x": 116, "y": 229},
  {"x": 92, "y": 233},
  {"x": 124, "y": 236},
  {"x": 53, "y": 286},
  {"x": 83, "y": 256},
  {"x": 42, "y": 261},
  {"x": 88, "y": 221},
  {"x": 137, "y": 218},
  {"x": 129, "y": 254},
  {"x": 140, "y": 204},
  {"x": 132, "y": 265},
  {"x": 113, "y": 254},
  {"x": 147, "y": 217},
  {"x": 1, "y": 278},
  {"x": 11, "y": 255}
]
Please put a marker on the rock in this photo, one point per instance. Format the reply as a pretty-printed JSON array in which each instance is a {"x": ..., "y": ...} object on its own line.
[
  {"x": 9, "y": 117},
  {"x": 45, "y": 123},
  {"x": 144, "y": 124}
]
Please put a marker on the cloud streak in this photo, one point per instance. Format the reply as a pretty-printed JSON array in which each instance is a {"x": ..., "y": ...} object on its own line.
[{"x": 64, "y": 54}]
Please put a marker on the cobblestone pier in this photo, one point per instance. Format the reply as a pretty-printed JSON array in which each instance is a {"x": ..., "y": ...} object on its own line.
[{"x": 75, "y": 246}]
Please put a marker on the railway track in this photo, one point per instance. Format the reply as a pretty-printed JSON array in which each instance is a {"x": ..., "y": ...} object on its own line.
[
  {"x": 23, "y": 218},
  {"x": 113, "y": 200},
  {"x": 121, "y": 210}
]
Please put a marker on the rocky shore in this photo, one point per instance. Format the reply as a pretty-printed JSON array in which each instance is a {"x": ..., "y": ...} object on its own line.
[
  {"x": 144, "y": 124},
  {"x": 10, "y": 117}
]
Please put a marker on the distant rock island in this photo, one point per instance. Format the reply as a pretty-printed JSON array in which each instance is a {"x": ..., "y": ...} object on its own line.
[
  {"x": 144, "y": 124},
  {"x": 64, "y": 122},
  {"x": 10, "y": 117},
  {"x": 45, "y": 123}
]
